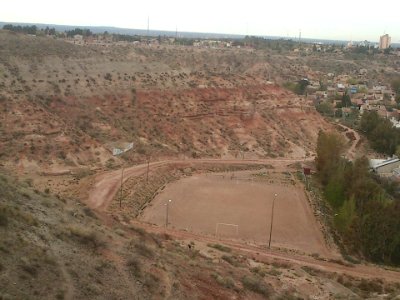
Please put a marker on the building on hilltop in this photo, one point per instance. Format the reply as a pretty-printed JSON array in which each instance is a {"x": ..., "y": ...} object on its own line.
[{"x": 384, "y": 42}]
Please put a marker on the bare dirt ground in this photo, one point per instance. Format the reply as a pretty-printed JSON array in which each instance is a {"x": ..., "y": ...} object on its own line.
[
  {"x": 107, "y": 184},
  {"x": 206, "y": 203}
]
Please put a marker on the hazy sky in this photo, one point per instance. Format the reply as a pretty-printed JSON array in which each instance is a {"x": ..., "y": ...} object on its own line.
[{"x": 340, "y": 19}]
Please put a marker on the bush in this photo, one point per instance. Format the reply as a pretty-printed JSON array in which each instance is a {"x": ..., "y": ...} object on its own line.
[
  {"x": 151, "y": 282},
  {"x": 227, "y": 282},
  {"x": 256, "y": 285},
  {"x": 144, "y": 250},
  {"x": 108, "y": 77},
  {"x": 370, "y": 286},
  {"x": 88, "y": 212},
  {"x": 230, "y": 259},
  {"x": 134, "y": 267},
  {"x": 140, "y": 231},
  {"x": 220, "y": 247},
  {"x": 82, "y": 173},
  {"x": 87, "y": 237},
  {"x": 3, "y": 217}
]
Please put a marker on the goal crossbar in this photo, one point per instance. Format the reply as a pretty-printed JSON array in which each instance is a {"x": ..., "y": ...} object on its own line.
[{"x": 226, "y": 224}]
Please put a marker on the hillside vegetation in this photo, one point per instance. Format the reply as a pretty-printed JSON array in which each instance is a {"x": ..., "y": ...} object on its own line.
[{"x": 366, "y": 209}]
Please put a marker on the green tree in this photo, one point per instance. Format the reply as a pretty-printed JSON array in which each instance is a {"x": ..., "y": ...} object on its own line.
[
  {"x": 345, "y": 217},
  {"x": 330, "y": 147},
  {"x": 346, "y": 100},
  {"x": 325, "y": 108},
  {"x": 369, "y": 121}
]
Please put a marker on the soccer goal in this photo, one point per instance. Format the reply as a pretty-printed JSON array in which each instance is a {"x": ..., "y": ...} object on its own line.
[{"x": 226, "y": 229}]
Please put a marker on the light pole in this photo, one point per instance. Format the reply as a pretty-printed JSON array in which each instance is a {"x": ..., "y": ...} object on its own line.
[
  {"x": 272, "y": 220},
  {"x": 167, "y": 212},
  {"x": 148, "y": 167},
  {"x": 122, "y": 182}
]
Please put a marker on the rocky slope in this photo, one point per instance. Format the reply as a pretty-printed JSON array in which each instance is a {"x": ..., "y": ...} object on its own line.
[{"x": 64, "y": 106}]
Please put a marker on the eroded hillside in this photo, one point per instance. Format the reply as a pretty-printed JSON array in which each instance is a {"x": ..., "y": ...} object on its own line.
[{"x": 64, "y": 106}]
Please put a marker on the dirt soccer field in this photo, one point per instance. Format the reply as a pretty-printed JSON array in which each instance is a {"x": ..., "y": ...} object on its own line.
[{"x": 206, "y": 203}]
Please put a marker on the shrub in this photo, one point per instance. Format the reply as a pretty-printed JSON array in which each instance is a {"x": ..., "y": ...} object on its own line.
[
  {"x": 227, "y": 282},
  {"x": 220, "y": 247},
  {"x": 370, "y": 286},
  {"x": 82, "y": 173},
  {"x": 134, "y": 267},
  {"x": 108, "y": 76},
  {"x": 151, "y": 282},
  {"x": 256, "y": 285},
  {"x": 230, "y": 259},
  {"x": 140, "y": 231},
  {"x": 3, "y": 217},
  {"x": 88, "y": 212},
  {"x": 259, "y": 270},
  {"x": 87, "y": 237},
  {"x": 281, "y": 264},
  {"x": 144, "y": 250}
]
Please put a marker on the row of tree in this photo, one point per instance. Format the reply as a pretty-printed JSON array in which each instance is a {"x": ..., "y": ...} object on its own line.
[
  {"x": 366, "y": 208},
  {"x": 22, "y": 29},
  {"x": 79, "y": 31}
]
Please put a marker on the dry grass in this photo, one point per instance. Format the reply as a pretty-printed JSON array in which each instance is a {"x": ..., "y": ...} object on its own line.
[{"x": 86, "y": 237}]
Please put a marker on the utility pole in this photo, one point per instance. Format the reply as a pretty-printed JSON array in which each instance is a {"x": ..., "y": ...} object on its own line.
[
  {"x": 148, "y": 26},
  {"x": 148, "y": 168},
  {"x": 272, "y": 220},
  {"x": 122, "y": 181},
  {"x": 167, "y": 215}
]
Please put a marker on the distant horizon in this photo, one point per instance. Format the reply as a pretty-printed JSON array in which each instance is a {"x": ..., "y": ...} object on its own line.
[
  {"x": 122, "y": 30},
  {"x": 340, "y": 21}
]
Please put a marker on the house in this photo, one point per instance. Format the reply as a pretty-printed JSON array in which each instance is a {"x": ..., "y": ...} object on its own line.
[
  {"x": 321, "y": 94},
  {"x": 341, "y": 87},
  {"x": 331, "y": 91},
  {"x": 395, "y": 122},
  {"x": 353, "y": 89},
  {"x": 384, "y": 166},
  {"x": 363, "y": 71}
]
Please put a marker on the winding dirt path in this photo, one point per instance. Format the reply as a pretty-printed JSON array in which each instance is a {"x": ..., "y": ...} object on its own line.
[{"x": 351, "y": 152}]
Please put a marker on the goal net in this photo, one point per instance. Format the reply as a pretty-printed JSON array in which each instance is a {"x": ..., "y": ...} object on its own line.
[{"x": 226, "y": 230}]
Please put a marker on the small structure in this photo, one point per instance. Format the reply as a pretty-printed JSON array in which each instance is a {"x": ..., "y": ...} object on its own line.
[
  {"x": 307, "y": 171},
  {"x": 384, "y": 166},
  {"x": 118, "y": 151}
]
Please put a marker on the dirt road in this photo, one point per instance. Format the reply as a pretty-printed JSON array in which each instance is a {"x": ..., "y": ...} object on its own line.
[
  {"x": 107, "y": 184},
  {"x": 268, "y": 255}
]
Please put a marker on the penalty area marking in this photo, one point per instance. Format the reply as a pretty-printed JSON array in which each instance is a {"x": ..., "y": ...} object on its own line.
[{"x": 226, "y": 224}]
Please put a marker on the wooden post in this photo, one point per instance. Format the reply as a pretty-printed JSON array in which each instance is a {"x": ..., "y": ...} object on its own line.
[
  {"x": 148, "y": 167},
  {"x": 122, "y": 182},
  {"x": 272, "y": 221}
]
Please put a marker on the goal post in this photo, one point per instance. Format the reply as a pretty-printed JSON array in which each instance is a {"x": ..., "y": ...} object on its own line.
[{"x": 219, "y": 225}]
